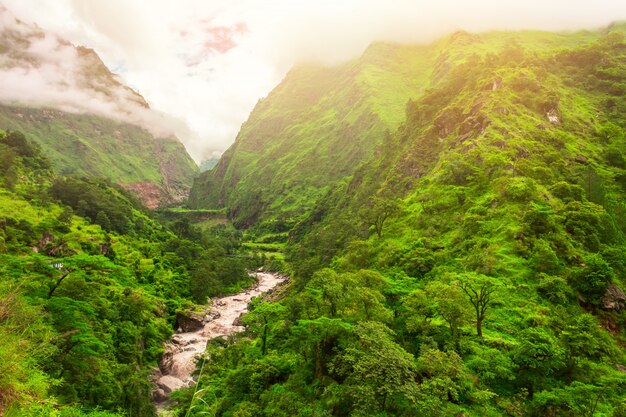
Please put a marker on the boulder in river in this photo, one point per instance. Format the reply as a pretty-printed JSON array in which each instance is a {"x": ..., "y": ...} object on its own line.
[
  {"x": 239, "y": 320},
  {"x": 169, "y": 383},
  {"x": 159, "y": 395},
  {"x": 190, "y": 320}
]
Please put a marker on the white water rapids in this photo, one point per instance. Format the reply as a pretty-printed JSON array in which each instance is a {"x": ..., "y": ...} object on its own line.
[{"x": 179, "y": 359}]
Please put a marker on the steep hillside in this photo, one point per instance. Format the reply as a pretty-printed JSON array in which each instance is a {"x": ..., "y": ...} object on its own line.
[
  {"x": 310, "y": 132},
  {"x": 86, "y": 121},
  {"x": 474, "y": 265},
  {"x": 157, "y": 170},
  {"x": 320, "y": 123}
]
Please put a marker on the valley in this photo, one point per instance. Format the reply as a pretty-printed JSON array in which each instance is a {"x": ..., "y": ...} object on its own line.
[{"x": 451, "y": 217}]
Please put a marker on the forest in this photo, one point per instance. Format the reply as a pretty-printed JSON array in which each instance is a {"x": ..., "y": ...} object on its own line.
[
  {"x": 472, "y": 266},
  {"x": 452, "y": 218},
  {"x": 90, "y": 285}
]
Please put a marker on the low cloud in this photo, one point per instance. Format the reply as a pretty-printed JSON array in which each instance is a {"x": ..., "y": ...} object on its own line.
[{"x": 40, "y": 69}]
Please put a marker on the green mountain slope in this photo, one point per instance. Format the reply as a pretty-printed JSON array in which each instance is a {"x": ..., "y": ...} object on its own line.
[
  {"x": 320, "y": 123},
  {"x": 311, "y": 131},
  {"x": 473, "y": 265},
  {"x": 158, "y": 170},
  {"x": 85, "y": 120}
]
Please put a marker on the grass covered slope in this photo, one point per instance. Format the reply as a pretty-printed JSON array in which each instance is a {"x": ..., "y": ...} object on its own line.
[
  {"x": 320, "y": 123},
  {"x": 89, "y": 145},
  {"x": 474, "y": 266}
]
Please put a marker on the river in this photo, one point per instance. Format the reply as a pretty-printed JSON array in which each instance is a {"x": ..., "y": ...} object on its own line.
[{"x": 181, "y": 351}]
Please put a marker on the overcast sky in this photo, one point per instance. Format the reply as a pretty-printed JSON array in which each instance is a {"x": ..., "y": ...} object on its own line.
[{"x": 209, "y": 61}]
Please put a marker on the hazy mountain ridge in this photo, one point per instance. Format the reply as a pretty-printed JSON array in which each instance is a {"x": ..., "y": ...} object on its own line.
[
  {"x": 320, "y": 123},
  {"x": 311, "y": 131},
  {"x": 87, "y": 121}
]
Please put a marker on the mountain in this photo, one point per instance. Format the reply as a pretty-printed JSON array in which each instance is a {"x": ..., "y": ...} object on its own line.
[
  {"x": 311, "y": 131},
  {"x": 320, "y": 123},
  {"x": 85, "y": 119},
  {"x": 469, "y": 262}
]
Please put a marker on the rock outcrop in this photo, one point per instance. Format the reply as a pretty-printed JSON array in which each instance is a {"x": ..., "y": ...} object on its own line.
[
  {"x": 614, "y": 298},
  {"x": 191, "y": 320}
]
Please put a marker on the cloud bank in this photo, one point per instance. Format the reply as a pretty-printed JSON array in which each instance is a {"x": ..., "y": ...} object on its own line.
[{"x": 207, "y": 63}]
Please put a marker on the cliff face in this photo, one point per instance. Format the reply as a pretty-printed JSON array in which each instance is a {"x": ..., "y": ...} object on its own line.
[{"x": 85, "y": 119}]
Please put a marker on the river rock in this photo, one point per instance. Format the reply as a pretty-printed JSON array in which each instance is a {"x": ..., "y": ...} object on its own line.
[
  {"x": 159, "y": 395},
  {"x": 169, "y": 383},
  {"x": 212, "y": 316},
  {"x": 239, "y": 320},
  {"x": 189, "y": 321},
  {"x": 156, "y": 373},
  {"x": 179, "y": 340}
]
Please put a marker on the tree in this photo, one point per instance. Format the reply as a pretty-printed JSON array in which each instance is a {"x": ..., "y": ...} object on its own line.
[
  {"x": 378, "y": 211},
  {"x": 584, "y": 341},
  {"x": 479, "y": 289},
  {"x": 538, "y": 355},
  {"x": 103, "y": 220},
  {"x": 328, "y": 285},
  {"x": 593, "y": 280},
  {"x": 203, "y": 281},
  {"x": 18, "y": 141},
  {"x": 444, "y": 378},
  {"x": 419, "y": 310},
  {"x": 379, "y": 372},
  {"x": 578, "y": 398},
  {"x": 261, "y": 317},
  {"x": 317, "y": 339},
  {"x": 449, "y": 305}
]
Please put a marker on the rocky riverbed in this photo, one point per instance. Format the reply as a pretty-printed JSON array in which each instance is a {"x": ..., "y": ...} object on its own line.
[{"x": 196, "y": 329}]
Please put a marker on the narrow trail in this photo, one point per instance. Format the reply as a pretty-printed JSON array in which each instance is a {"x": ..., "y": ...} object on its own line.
[{"x": 179, "y": 359}]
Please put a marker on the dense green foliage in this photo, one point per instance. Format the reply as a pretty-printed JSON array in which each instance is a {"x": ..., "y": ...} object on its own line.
[
  {"x": 89, "y": 288},
  {"x": 89, "y": 145},
  {"x": 310, "y": 132},
  {"x": 471, "y": 265}
]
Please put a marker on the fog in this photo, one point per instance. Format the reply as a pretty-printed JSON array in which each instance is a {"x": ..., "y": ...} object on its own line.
[{"x": 208, "y": 62}]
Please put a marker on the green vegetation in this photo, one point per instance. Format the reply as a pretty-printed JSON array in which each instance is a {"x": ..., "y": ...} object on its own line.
[
  {"x": 89, "y": 145},
  {"x": 468, "y": 263},
  {"x": 90, "y": 283},
  {"x": 78, "y": 142},
  {"x": 452, "y": 216}
]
